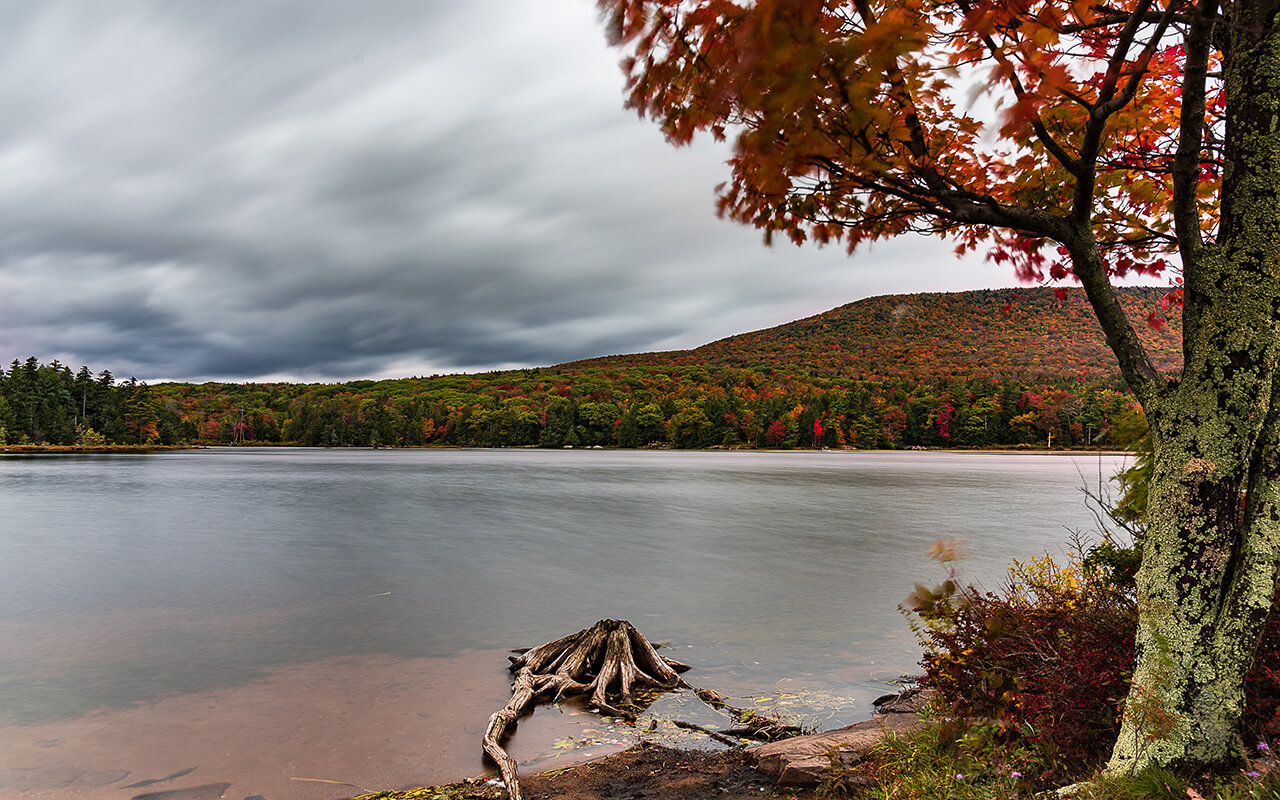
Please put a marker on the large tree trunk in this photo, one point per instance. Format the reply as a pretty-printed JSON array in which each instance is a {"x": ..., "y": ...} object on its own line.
[
  {"x": 1210, "y": 557},
  {"x": 1206, "y": 584}
]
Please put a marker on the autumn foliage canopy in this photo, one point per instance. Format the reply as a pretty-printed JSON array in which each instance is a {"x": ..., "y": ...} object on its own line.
[{"x": 991, "y": 121}]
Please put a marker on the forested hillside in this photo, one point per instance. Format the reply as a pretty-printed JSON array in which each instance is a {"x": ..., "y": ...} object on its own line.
[
  {"x": 1020, "y": 334},
  {"x": 1001, "y": 367}
]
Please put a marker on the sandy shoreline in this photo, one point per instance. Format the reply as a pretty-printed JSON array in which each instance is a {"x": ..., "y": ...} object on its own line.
[{"x": 374, "y": 722}]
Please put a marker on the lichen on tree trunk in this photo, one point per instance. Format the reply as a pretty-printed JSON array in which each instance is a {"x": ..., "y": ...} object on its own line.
[
  {"x": 1212, "y": 548},
  {"x": 1205, "y": 589}
]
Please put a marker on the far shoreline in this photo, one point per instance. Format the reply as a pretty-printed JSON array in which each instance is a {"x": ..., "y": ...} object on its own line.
[
  {"x": 130, "y": 449},
  {"x": 1001, "y": 450},
  {"x": 76, "y": 449}
]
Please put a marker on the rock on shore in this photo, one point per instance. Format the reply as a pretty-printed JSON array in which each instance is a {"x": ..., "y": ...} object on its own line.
[{"x": 805, "y": 760}]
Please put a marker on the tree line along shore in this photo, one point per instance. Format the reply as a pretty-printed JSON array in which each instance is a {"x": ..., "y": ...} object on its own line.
[
  {"x": 633, "y": 406},
  {"x": 984, "y": 368}
]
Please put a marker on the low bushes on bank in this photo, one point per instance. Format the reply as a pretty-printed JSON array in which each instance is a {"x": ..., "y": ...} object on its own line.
[{"x": 1039, "y": 668}]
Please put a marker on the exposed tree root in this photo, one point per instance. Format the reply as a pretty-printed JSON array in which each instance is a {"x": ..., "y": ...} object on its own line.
[{"x": 610, "y": 656}]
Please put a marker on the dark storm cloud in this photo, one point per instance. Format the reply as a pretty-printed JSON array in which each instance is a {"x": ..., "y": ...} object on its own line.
[{"x": 341, "y": 190}]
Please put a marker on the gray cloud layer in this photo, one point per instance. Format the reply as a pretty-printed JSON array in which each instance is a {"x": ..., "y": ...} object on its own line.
[{"x": 331, "y": 190}]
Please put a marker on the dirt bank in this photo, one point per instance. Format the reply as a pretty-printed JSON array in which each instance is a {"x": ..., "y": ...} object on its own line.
[{"x": 648, "y": 771}]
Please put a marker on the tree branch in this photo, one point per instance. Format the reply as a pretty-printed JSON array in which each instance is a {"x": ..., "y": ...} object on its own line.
[
  {"x": 1186, "y": 162},
  {"x": 1140, "y": 67},
  {"x": 1109, "y": 102},
  {"x": 936, "y": 198},
  {"x": 1135, "y": 363},
  {"x": 1108, "y": 20},
  {"x": 1037, "y": 125}
]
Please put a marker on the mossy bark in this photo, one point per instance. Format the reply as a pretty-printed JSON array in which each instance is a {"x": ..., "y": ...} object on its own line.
[{"x": 1212, "y": 550}]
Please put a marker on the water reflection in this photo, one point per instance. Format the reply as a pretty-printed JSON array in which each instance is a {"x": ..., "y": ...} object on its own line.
[{"x": 129, "y": 583}]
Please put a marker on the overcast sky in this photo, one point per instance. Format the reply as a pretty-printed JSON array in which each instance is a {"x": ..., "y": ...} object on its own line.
[{"x": 329, "y": 190}]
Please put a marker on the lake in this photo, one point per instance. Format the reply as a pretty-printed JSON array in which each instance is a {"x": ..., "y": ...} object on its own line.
[{"x": 298, "y": 622}]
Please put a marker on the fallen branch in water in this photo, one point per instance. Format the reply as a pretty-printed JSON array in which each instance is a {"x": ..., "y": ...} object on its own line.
[
  {"x": 751, "y": 724},
  {"x": 723, "y": 738}
]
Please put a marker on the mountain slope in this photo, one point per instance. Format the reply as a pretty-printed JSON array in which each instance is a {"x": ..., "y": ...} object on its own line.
[{"x": 989, "y": 333}]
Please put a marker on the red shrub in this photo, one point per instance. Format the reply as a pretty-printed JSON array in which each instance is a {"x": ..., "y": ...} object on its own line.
[{"x": 1048, "y": 658}]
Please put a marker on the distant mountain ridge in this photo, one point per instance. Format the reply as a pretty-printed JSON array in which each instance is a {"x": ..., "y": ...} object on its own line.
[{"x": 987, "y": 333}]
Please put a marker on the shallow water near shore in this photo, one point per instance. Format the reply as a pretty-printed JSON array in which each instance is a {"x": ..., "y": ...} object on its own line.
[{"x": 282, "y": 619}]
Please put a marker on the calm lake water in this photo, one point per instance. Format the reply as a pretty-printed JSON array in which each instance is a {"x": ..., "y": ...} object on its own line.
[{"x": 275, "y": 618}]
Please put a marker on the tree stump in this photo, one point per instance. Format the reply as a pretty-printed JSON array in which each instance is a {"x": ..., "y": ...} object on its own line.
[{"x": 609, "y": 656}]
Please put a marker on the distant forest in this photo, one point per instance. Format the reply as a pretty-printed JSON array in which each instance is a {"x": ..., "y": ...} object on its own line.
[{"x": 969, "y": 369}]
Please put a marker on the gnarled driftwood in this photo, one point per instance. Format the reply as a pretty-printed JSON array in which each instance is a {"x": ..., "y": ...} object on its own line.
[{"x": 609, "y": 656}]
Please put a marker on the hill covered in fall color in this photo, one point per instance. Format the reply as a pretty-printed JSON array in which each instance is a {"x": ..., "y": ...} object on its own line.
[
  {"x": 973, "y": 369},
  {"x": 1018, "y": 334}
]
